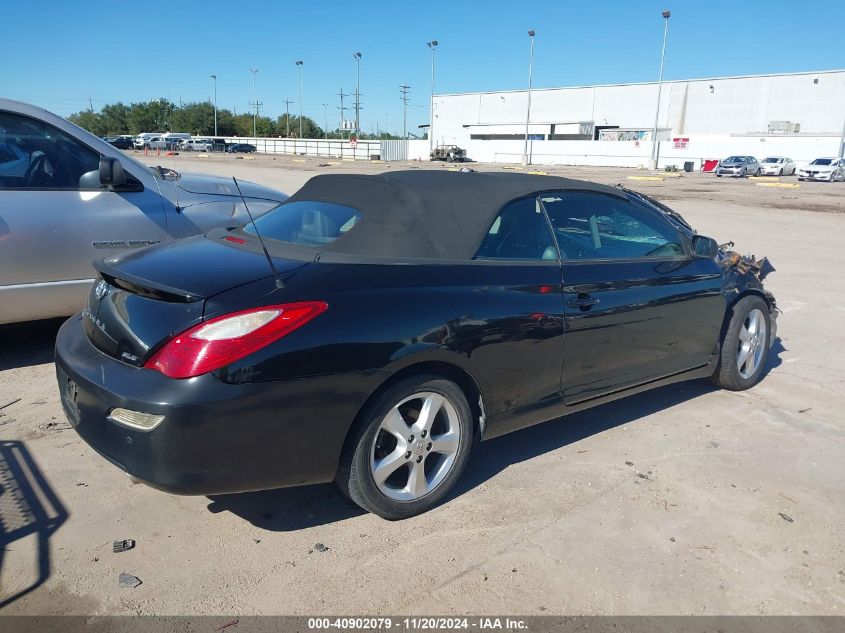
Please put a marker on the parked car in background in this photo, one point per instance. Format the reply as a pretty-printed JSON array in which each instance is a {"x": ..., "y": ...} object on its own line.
[
  {"x": 240, "y": 148},
  {"x": 777, "y": 166},
  {"x": 143, "y": 140},
  {"x": 121, "y": 142},
  {"x": 404, "y": 316},
  {"x": 193, "y": 145},
  {"x": 738, "y": 167},
  {"x": 449, "y": 153},
  {"x": 164, "y": 142},
  {"x": 827, "y": 169},
  {"x": 68, "y": 198}
]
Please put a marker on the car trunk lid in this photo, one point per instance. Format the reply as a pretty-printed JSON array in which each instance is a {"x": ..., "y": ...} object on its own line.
[{"x": 145, "y": 297}]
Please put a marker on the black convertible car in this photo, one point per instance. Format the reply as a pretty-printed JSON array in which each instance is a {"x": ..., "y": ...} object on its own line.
[{"x": 371, "y": 328}]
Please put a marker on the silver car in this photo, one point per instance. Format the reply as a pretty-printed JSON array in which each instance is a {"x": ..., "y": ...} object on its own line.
[
  {"x": 825, "y": 169},
  {"x": 68, "y": 198},
  {"x": 777, "y": 166},
  {"x": 738, "y": 167}
]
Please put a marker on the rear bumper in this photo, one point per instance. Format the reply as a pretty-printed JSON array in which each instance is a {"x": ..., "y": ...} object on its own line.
[{"x": 216, "y": 437}]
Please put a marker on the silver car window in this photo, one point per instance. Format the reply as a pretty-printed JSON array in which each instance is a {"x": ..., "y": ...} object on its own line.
[{"x": 50, "y": 158}]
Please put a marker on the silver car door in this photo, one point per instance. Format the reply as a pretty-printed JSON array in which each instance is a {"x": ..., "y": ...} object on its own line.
[{"x": 56, "y": 219}]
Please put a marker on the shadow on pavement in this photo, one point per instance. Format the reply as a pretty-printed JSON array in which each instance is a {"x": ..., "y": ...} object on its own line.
[
  {"x": 28, "y": 506},
  {"x": 288, "y": 509},
  {"x": 28, "y": 344}
]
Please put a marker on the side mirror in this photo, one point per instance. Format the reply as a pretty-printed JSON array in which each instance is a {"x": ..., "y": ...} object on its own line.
[
  {"x": 704, "y": 247},
  {"x": 111, "y": 172}
]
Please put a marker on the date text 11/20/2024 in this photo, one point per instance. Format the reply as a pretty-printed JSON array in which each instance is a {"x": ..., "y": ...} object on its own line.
[{"x": 418, "y": 623}]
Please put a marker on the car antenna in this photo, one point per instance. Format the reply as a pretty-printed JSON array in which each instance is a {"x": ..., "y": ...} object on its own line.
[{"x": 279, "y": 282}]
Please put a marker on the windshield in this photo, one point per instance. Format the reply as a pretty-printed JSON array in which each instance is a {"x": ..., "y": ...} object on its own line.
[
  {"x": 734, "y": 159},
  {"x": 822, "y": 161},
  {"x": 773, "y": 160},
  {"x": 306, "y": 222}
]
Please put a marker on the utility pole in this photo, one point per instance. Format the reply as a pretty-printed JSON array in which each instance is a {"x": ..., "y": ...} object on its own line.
[
  {"x": 90, "y": 104},
  {"x": 326, "y": 120},
  {"x": 300, "y": 63},
  {"x": 287, "y": 103},
  {"x": 357, "y": 56},
  {"x": 214, "y": 80},
  {"x": 406, "y": 98},
  {"x": 342, "y": 110},
  {"x": 254, "y": 103}
]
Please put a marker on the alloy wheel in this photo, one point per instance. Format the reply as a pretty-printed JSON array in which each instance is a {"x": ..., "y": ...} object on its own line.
[
  {"x": 415, "y": 446},
  {"x": 752, "y": 343}
]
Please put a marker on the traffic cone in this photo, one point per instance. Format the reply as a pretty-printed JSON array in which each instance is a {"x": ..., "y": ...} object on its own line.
[{"x": 158, "y": 151}]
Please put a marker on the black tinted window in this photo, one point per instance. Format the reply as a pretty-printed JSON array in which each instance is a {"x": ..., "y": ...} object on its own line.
[
  {"x": 600, "y": 226},
  {"x": 519, "y": 232},
  {"x": 39, "y": 156},
  {"x": 306, "y": 222}
]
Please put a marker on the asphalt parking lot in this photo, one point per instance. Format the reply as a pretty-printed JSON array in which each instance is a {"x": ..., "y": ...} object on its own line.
[{"x": 684, "y": 500}]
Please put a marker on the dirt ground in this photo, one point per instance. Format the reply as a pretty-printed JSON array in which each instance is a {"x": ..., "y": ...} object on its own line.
[{"x": 684, "y": 500}]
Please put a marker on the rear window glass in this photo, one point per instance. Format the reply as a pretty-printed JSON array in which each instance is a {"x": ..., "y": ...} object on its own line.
[{"x": 306, "y": 222}]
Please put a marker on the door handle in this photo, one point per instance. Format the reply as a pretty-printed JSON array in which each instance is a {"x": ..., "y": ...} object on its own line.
[{"x": 582, "y": 301}]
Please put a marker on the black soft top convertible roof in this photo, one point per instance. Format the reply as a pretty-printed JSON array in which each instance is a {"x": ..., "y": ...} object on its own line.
[{"x": 427, "y": 213}]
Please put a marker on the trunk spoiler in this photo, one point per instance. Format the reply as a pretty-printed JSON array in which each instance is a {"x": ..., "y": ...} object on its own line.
[{"x": 144, "y": 287}]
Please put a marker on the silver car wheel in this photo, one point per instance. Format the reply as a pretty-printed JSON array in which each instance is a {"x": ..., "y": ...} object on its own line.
[
  {"x": 752, "y": 343},
  {"x": 415, "y": 446}
]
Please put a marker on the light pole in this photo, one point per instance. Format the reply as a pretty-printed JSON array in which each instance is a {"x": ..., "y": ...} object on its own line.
[
  {"x": 300, "y": 64},
  {"x": 326, "y": 120},
  {"x": 357, "y": 56},
  {"x": 214, "y": 81},
  {"x": 652, "y": 164},
  {"x": 528, "y": 109},
  {"x": 254, "y": 72},
  {"x": 433, "y": 46}
]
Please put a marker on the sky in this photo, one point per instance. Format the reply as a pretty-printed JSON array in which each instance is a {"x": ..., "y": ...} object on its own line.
[{"x": 69, "y": 52}]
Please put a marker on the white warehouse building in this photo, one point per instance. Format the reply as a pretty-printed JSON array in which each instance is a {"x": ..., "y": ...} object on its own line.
[{"x": 800, "y": 115}]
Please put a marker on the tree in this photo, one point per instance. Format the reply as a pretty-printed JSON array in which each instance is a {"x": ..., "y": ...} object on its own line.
[
  {"x": 152, "y": 116},
  {"x": 309, "y": 128},
  {"x": 90, "y": 121},
  {"x": 115, "y": 118},
  {"x": 194, "y": 118}
]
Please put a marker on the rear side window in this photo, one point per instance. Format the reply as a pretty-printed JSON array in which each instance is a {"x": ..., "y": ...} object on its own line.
[
  {"x": 599, "y": 226},
  {"x": 306, "y": 222},
  {"x": 519, "y": 232}
]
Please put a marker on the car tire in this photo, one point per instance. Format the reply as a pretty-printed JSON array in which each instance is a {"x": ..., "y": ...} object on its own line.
[
  {"x": 743, "y": 173},
  {"x": 370, "y": 443},
  {"x": 757, "y": 173},
  {"x": 718, "y": 175},
  {"x": 780, "y": 172},
  {"x": 740, "y": 343}
]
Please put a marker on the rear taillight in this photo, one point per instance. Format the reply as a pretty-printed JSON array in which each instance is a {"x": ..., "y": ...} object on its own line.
[{"x": 222, "y": 340}]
